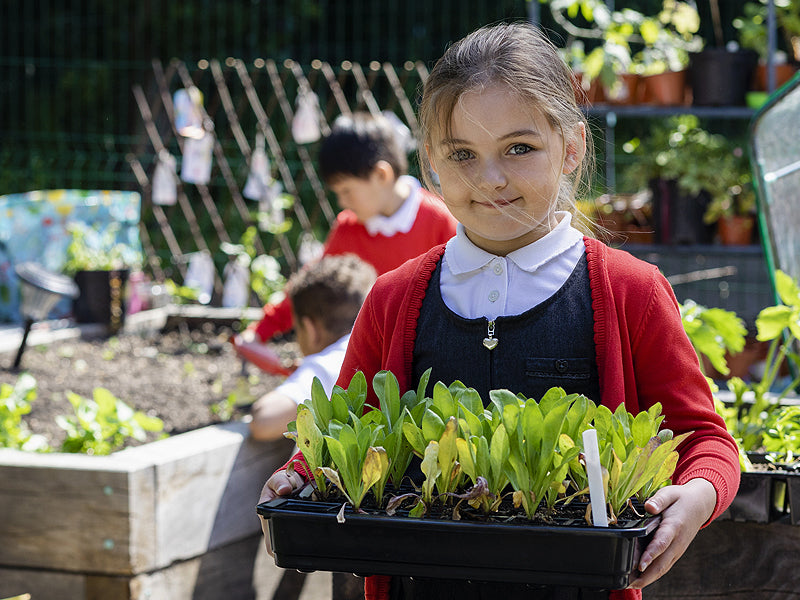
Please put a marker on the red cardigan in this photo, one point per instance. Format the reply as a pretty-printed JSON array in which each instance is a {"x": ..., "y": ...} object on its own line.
[
  {"x": 432, "y": 226},
  {"x": 643, "y": 357}
]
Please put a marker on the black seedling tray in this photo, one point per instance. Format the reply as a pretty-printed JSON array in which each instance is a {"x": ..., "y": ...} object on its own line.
[{"x": 306, "y": 536}]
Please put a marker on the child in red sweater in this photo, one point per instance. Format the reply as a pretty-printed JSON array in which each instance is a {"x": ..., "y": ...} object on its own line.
[
  {"x": 387, "y": 216},
  {"x": 521, "y": 299}
]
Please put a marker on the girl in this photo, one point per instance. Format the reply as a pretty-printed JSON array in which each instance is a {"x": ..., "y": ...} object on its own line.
[{"x": 527, "y": 300}]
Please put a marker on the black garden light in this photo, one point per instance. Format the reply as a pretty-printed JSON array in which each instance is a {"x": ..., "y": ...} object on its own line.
[{"x": 41, "y": 289}]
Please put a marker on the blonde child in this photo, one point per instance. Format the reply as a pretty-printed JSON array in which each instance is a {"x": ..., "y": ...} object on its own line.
[{"x": 521, "y": 299}]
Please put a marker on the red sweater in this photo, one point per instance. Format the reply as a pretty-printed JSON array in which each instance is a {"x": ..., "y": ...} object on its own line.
[
  {"x": 643, "y": 357},
  {"x": 432, "y": 226}
]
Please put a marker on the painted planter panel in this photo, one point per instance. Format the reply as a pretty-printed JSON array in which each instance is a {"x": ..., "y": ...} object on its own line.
[{"x": 306, "y": 535}]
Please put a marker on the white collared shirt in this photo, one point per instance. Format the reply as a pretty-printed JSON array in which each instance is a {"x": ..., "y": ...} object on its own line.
[
  {"x": 476, "y": 284},
  {"x": 403, "y": 218},
  {"x": 324, "y": 364}
]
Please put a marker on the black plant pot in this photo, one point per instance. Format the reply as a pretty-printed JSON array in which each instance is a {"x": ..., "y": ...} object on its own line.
[
  {"x": 767, "y": 495},
  {"x": 721, "y": 78},
  {"x": 307, "y": 536},
  {"x": 678, "y": 218},
  {"x": 102, "y": 298}
]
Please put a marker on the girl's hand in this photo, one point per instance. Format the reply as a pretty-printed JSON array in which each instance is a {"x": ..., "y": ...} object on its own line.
[
  {"x": 683, "y": 509},
  {"x": 281, "y": 483}
]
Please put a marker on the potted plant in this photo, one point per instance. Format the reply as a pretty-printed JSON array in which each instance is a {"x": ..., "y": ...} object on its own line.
[
  {"x": 669, "y": 38},
  {"x": 751, "y": 27},
  {"x": 513, "y": 467},
  {"x": 677, "y": 163},
  {"x": 720, "y": 75},
  {"x": 622, "y": 218},
  {"x": 632, "y": 45},
  {"x": 764, "y": 427},
  {"x": 733, "y": 199},
  {"x": 100, "y": 264}
]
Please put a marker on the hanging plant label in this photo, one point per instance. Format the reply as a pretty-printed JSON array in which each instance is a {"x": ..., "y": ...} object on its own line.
[
  {"x": 165, "y": 191},
  {"x": 197, "y": 159}
]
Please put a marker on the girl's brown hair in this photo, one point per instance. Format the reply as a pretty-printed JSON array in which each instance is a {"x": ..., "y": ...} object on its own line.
[{"x": 521, "y": 57}]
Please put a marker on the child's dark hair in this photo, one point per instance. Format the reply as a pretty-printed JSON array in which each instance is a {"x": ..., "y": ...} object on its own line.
[
  {"x": 356, "y": 144},
  {"x": 331, "y": 291}
]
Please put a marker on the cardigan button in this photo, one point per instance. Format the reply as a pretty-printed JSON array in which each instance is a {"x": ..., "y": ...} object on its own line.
[{"x": 561, "y": 365}]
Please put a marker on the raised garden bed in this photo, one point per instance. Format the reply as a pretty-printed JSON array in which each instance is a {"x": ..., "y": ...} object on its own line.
[
  {"x": 147, "y": 522},
  {"x": 169, "y": 519}
]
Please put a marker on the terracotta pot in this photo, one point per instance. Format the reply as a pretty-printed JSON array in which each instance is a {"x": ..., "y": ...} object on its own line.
[
  {"x": 736, "y": 230},
  {"x": 665, "y": 89},
  {"x": 783, "y": 73},
  {"x": 587, "y": 94},
  {"x": 626, "y": 91}
]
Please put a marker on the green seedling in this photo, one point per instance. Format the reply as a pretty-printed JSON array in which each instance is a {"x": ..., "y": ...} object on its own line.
[
  {"x": 357, "y": 463},
  {"x": 102, "y": 424},
  {"x": 15, "y": 402},
  {"x": 782, "y": 436},
  {"x": 394, "y": 412},
  {"x": 636, "y": 457},
  {"x": 746, "y": 419},
  {"x": 536, "y": 467},
  {"x": 311, "y": 442}
]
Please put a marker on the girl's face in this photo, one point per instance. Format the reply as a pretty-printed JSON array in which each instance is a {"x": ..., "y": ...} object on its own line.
[{"x": 500, "y": 168}]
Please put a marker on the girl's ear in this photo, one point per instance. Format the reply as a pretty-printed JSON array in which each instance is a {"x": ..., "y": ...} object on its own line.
[{"x": 576, "y": 149}]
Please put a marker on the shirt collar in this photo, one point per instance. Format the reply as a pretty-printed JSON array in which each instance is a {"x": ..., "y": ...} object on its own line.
[
  {"x": 403, "y": 218},
  {"x": 464, "y": 257}
]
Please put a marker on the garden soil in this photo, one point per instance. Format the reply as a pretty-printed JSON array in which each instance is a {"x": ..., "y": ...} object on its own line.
[{"x": 188, "y": 377}]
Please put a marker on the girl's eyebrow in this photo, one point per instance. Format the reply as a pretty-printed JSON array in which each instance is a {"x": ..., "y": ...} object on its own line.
[{"x": 512, "y": 134}]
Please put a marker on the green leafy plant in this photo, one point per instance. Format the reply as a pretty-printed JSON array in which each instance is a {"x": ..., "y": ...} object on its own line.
[
  {"x": 358, "y": 461},
  {"x": 475, "y": 454},
  {"x": 713, "y": 332},
  {"x": 15, "y": 402},
  {"x": 637, "y": 456},
  {"x": 536, "y": 466},
  {"x": 781, "y": 438},
  {"x": 751, "y": 26},
  {"x": 93, "y": 249},
  {"x": 756, "y": 409},
  {"x": 780, "y": 326},
  {"x": 629, "y": 40},
  {"x": 102, "y": 424},
  {"x": 699, "y": 161}
]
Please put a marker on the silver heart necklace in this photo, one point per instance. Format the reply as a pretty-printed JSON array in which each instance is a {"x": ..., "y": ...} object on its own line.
[{"x": 490, "y": 342}]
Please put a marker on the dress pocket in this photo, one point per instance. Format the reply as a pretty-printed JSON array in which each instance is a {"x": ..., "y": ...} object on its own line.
[{"x": 559, "y": 368}]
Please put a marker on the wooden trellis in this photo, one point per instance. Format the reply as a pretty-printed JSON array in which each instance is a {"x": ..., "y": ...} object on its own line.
[{"x": 241, "y": 101}]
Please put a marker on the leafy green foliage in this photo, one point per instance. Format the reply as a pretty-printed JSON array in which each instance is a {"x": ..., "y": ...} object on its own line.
[
  {"x": 90, "y": 249},
  {"x": 756, "y": 412},
  {"x": 782, "y": 435},
  {"x": 700, "y": 161},
  {"x": 637, "y": 457},
  {"x": 102, "y": 424},
  {"x": 515, "y": 445},
  {"x": 15, "y": 402},
  {"x": 713, "y": 332}
]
